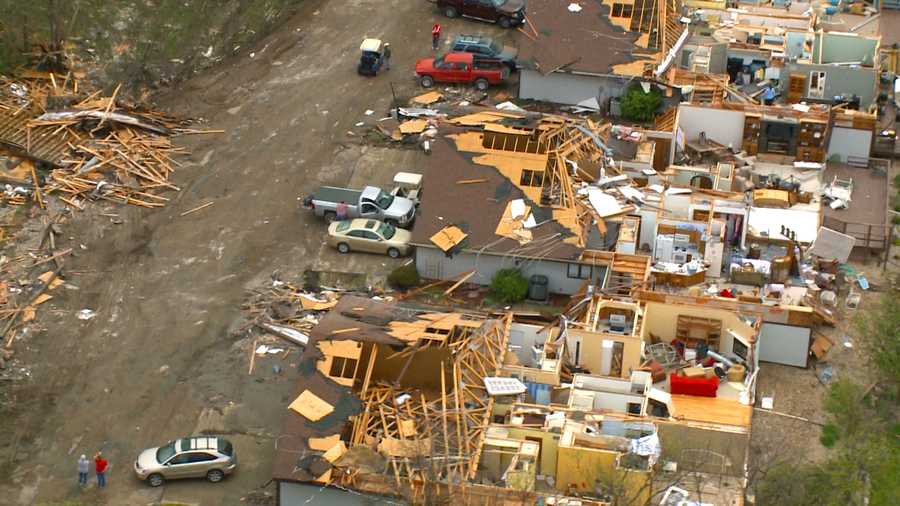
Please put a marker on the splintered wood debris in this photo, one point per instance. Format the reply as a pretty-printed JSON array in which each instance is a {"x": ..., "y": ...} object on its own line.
[{"x": 94, "y": 145}]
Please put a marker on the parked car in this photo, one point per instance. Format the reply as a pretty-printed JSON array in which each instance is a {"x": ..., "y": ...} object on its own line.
[
  {"x": 370, "y": 202},
  {"x": 506, "y": 13},
  {"x": 207, "y": 457},
  {"x": 372, "y": 236},
  {"x": 485, "y": 47},
  {"x": 461, "y": 68}
]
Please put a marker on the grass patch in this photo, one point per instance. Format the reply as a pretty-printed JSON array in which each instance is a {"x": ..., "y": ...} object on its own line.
[{"x": 829, "y": 436}]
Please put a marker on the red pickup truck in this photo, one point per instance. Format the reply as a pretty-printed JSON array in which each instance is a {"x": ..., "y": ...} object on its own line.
[{"x": 461, "y": 68}]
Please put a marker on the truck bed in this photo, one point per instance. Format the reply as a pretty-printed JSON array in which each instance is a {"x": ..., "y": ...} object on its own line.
[{"x": 336, "y": 195}]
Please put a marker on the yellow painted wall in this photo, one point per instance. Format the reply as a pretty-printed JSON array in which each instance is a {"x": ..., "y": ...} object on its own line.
[
  {"x": 706, "y": 4},
  {"x": 662, "y": 319},
  {"x": 591, "y": 352},
  {"x": 579, "y": 468},
  {"x": 549, "y": 447}
]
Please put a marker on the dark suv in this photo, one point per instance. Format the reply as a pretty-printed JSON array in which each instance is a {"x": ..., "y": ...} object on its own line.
[
  {"x": 485, "y": 47},
  {"x": 507, "y": 13}
]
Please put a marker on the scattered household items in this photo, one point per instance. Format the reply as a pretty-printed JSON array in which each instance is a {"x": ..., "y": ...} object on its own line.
[
  {"x": 838, "y": 192},
  {"x": 334, "y": 203},
  {"x": 207, "y": 457},
  {"x": 462, "y": 68},
  {"x": 370, "y": 236}
]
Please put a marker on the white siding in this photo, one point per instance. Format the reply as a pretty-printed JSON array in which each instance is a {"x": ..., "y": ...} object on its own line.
[
  {"x": 565, "y": 88},
  {"x": 433, "y": 264}
]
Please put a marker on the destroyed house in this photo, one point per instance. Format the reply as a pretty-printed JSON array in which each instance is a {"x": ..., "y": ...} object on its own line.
[
  {"x": 409, "y": 402},
  {"x": 417, "y": 403},
  {"x": 568, "y": 56},
  {"x": 510, "y": 191}
]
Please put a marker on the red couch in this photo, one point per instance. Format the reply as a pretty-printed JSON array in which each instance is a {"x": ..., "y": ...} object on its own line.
[{"x": 701, "y": 387}]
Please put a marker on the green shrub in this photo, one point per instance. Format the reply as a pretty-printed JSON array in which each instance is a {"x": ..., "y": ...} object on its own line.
[
  {"x": 640, "y": 106},
  {"x": 509, "y": 285},
  {"x": 404, "y": 277},
  {"x": 829, "y": 435},
  {"x": 897, "y": 180}
]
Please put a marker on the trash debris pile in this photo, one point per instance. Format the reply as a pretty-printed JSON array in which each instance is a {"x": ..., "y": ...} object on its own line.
[{"x": 81, "y": 144}]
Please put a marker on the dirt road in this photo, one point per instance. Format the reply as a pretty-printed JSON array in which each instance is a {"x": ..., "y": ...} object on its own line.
[{"x": 167, "y": 288}]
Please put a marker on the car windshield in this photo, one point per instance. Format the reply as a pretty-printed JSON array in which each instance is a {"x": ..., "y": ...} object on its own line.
[
  {"x": 438, "y": 61},
  {"x": 225, "y": 447},
  {"x": 165, "y": 453},
  {"x": 496, "y": 48},
  {"x": 342, "y": 226},
  {"x": 384, "y": 200},
  {"x": 386, "y": 231},
  {"x": 499, "y": 3}
]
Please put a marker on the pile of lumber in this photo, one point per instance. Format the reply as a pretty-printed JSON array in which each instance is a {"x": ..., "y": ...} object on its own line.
[
  {"x": 286, "y": 309},
  {"x": 95, "y": 147}
]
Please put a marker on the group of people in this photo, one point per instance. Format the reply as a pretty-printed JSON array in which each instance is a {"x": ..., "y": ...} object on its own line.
[{"x": 101, "y": 465}]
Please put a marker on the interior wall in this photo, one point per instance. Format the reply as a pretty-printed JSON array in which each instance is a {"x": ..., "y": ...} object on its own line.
[
  {"x": 591, "y": 354},
  {"x": 661, "y": 320},
  {"x": 676, "y": 206},
  {"x": 522, "y": 338},
  {"x": 724, "y": 127},
  {"x": 846, "y": 142},
  {"x": 424, "y": 370},
  {"x": 549, "y": 447}
]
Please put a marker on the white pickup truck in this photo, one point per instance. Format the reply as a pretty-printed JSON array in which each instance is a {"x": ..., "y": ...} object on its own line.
[{"x": 370, "y": 202}]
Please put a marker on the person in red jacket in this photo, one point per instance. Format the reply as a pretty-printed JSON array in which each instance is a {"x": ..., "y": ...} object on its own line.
[
  {"x": 100, "y": 466},
  {"x": 435, "y": 36}
]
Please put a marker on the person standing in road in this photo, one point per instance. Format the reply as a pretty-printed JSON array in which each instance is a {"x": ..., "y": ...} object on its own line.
[
  {"x": 387, "y": 56},
  {"x": 84, "y": 465},
  {"x": 341, "y": 211},
  {"x": 435, "y": 36},
  {"x": 100, "y": 466}
]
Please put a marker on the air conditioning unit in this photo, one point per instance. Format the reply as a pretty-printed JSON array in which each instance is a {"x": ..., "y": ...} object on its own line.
[{"x": 617, "y": 323}]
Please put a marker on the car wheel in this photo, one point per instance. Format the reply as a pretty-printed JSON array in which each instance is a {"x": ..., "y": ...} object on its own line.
[
  {"x": 451, "y": 12},
  {"x": 505, "y": 22},
  {"x": 426, "y": 81},
  {"x": 155, "y": 480},
  {"x": 482, "y": 84},
  {"x": 393, "y": 253},
  {"x": 215, "y": 476},
  {"x": 330, "y": 216},
  {"x": 343, "y": 248}
]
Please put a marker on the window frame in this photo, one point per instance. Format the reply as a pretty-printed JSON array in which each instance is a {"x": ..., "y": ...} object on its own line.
[
  {"x": 529, "y": 177},
  {"x": 579, "y": 273}
]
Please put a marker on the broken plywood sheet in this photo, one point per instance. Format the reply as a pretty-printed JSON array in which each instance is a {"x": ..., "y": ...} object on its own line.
[
  {"x": 481, "y": 118},
  {"x": 514, "y": 227},
  {"x": 313, "y": 304},
  {"x": 434, "y": 326},
  {"x": 604, "y": 204},
  {"x": 413, "y": 126},
  {"x": 404, "y": 447},
  {"x": 311, "y": 406},
  {"x": 335, "y": 452},
  {"x": 832, "y": 245},
  {"x": 448, "y": 237},
  {"x": 323, "y": 444},
  {"x": 428, "y": 98}
]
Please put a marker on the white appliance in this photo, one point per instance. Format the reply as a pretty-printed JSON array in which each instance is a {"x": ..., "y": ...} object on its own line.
[
  {"x": 681, "y": 240},
  {"x": 665, "y": 245},
  {"x": 679, "y": 257},
  {"x": 617, "y": 323}
]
